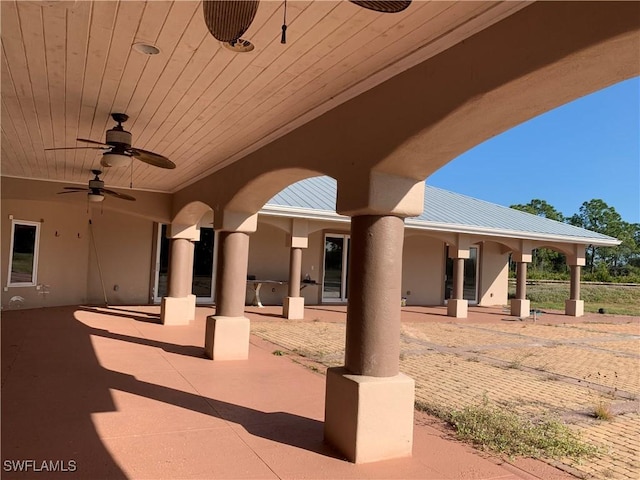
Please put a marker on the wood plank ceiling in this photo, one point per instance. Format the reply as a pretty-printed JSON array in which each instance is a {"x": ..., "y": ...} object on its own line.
[{"x": 66, "y": 65}]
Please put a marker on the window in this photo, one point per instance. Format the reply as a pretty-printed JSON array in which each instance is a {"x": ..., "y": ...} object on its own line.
[{"x": 23, "y": 263}]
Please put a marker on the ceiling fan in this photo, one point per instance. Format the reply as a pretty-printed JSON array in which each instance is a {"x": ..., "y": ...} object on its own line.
[
  {"x": 119, "y": 150},
  {"x": 227, "y": 20},
  {"x": 96, "y": 190}
]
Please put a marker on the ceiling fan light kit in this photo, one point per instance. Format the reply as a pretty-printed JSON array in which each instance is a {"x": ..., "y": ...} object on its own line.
[
  {"x": 113, "y": 159},
  {"x": 95, "y": 197}
]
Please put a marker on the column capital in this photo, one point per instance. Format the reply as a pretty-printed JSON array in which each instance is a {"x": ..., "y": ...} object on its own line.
[
  {"x": 577, "y": 257},
  {"x": 188, "y": 232},
  {"x": 377, "y": 193},
  {"x": 298, "y": 236},
  {"x": 520, "y": 257},
  {"x": 230, "y": 221},
  {"x": 460, "y": 249}
]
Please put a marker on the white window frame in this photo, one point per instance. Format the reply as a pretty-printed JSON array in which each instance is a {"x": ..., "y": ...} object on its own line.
[
  {"x": 36, "y": 249},
  {"x": 345, "y": 267}
]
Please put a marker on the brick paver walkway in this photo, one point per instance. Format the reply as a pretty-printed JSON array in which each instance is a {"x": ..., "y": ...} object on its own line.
[{"x": 533, "y": 368}]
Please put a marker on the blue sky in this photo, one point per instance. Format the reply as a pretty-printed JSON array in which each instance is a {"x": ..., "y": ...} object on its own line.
[{"x": 586, "y": 149}]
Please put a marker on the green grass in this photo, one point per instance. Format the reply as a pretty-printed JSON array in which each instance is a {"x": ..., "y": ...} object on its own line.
[
  {"x": 614, "y": 299},
  {"x": 498, "y": 430}
]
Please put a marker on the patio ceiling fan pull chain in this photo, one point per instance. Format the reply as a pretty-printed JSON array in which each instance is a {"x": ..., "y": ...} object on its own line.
[{"x": 283, "y": 39}]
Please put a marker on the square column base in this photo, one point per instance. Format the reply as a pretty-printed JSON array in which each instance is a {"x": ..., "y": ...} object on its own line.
[
  {"x": 457, "y": 308},
  {"x": 227, "y": 338},
  {"x": 574, "y": 308},
  {"x": 520, "y": 308},
  {"x": 178, "y": 310},
  {"x": 369, "y": 418},
  {"x": 293, "y": 308}
]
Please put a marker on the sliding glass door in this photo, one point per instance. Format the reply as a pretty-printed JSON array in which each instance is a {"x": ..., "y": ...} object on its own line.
[
  {"x": 470, "y": 287},
  {"x": 336, "y": 261},
  {"x": 203, "y": 265}
]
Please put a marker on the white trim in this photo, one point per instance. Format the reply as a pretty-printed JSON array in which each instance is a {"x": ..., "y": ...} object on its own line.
[{"x": 36, "y": 249}]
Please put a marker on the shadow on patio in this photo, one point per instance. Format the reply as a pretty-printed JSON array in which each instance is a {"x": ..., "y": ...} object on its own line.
[
  {"x": 55, "y": 386},
  {"x": 125, "y": 397}
]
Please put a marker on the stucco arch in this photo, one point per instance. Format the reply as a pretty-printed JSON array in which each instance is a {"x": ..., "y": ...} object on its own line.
[
  {"x": 191, "y": 213},
  {"x": 252, "y": 196}
]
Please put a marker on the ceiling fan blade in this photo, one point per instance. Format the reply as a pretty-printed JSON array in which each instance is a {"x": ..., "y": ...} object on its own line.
[
  {"x": 84, "y": 190},
  {"x": 122, "y": 196},
  {"x": 92, "y": 141},
  {"x": 76, "y": 189},
  {"x": 151, "y": 158},
  {"x": 77, "y": 148},
  {"x": 228, "y": 20},
  {"x": 393, "y": 6}
]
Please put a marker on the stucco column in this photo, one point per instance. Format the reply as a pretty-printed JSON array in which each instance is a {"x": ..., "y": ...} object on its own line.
[
  {"x": 295, "y": 269},
  {"x": 181, "y": 267},
  {"x": 574, "y": 306},
  {"x": 227, "y": 332},
  {"x": 520, "y": 306},
  {"x": 293, "y": 304},
  {"x": 179, "y": 306},
  {"x": 457, "y": 306},
  {"x": 373, "y": 312},
  {"x": 231, "y": 276},
  {"x": 369, "y": 404}
]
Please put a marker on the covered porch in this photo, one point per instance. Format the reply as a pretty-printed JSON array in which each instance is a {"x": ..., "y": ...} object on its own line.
[{"x": 111, "y": 393}]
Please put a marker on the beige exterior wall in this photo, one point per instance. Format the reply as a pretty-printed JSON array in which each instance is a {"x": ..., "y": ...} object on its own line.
[
  {"x": 67, "y": 267},
  {"x": 423, "y": 270},
  {"x": 493, "y": 275},
  {"x": 63, "y": 253},
  {"x": 124, "y": 245},
  {"x": 312, "y": 264},
  {"x": 269, "y": 260}
]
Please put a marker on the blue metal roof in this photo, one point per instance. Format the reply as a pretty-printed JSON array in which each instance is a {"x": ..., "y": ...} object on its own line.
[{"x": 443, "y": 211}]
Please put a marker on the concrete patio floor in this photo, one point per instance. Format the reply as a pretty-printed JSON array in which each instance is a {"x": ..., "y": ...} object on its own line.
[{"x": 107, "y": 392}]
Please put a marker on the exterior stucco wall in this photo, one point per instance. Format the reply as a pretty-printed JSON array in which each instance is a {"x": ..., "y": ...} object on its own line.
[
  {"x": 67, "y": 267},
  {"x": 494, "y": 272},
  {"x": 312, "y": 265},
  {"x": 269, "y": 260},
  {"x": 423, "y": 270},
  {"x": 124, "y": 245},
  {"x": 63, "y": 253}
]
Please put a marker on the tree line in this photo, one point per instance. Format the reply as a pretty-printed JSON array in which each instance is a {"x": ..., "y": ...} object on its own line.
[{"x": 604, "y": 264}]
